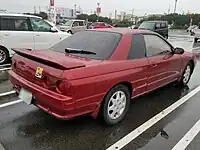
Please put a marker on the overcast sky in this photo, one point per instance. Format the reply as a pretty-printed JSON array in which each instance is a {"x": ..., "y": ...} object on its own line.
[{"x": 108, "y": 6}]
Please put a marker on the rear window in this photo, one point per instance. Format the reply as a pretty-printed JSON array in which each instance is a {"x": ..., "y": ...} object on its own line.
[{"x": 99, "y": 42}]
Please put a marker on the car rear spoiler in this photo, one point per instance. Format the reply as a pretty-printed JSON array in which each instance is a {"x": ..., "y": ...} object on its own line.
[{"x": 35, "y": 57}]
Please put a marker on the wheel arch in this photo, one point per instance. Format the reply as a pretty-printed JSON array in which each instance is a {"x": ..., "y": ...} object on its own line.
[{"x": 98, "y": 111}]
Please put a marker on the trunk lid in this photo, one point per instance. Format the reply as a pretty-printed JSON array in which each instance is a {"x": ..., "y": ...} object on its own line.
[{"x": 45, "y": 67}]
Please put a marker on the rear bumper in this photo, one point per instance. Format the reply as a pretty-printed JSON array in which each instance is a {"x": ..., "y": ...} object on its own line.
[{"x": 62, "y": 107}]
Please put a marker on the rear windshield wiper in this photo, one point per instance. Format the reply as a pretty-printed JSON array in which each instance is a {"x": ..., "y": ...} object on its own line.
[{"x": 78, "y": 51}]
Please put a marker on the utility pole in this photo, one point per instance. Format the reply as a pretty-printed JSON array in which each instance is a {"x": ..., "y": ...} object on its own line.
[
  {"x": 115, "y": 15},
  {"x": 34, "y": 9},
  {"x": 98, "y": 4},
  {"x": 75, "y": 10},
  {"x": 132, "y": 15},
  {"x": 169, "y": 9},
  {"x": 175, "y": 6}
]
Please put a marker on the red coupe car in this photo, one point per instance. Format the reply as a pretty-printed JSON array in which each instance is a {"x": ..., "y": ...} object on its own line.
[
  {"x": 98, "y": 72},
  {"x": 100, "y": 25}
]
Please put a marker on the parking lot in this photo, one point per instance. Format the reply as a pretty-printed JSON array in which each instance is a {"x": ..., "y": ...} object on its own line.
[{"x": 159, "y": 120}]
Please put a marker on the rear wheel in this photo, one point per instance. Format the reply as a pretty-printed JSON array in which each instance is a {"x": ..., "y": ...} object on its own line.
[
  {"x": 116, "y": 105},
  {"x": 4, "y": 56},
  {"x": 186, "y": 74},
  {"x": 70, "y": 32},
  {"x": 196, "y": 40}
]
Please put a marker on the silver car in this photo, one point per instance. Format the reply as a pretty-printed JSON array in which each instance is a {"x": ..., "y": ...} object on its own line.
[{"x": 73, "y": 26}]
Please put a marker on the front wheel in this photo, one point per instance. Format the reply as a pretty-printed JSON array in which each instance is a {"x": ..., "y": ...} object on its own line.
[
  {"x": 4, "y": 56},
  {"x": 116, "y": 105},
  {"x": 186, "y": 74}
]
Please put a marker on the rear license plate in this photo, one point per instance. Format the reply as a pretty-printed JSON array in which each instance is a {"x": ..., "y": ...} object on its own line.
[{"x": 26, "y": 96}]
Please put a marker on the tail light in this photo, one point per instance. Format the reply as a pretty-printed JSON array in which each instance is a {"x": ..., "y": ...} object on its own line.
[{"x": 63, "y": 87}]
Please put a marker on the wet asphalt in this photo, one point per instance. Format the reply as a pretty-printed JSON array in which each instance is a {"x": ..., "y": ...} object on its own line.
[{"x": 25, "y": 127}]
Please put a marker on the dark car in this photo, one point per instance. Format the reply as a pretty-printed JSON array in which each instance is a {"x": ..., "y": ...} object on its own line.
[{"x": 161, "y": 27}]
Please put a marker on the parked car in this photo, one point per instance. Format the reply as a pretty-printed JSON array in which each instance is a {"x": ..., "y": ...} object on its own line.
[
  {"x": 196, "y": 33},
  {"x": 26, "y": 31},
  {"x": 161, "y": 27},
  {"x": 133, "y": 27},
  {"x": 98, "y": 25},
  {"x": 100, "y": 74},
  {"x": 89, "y": 24},
  {"x": 73, "y": 26}
]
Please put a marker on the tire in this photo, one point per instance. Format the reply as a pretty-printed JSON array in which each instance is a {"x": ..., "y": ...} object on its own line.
[
  {"x": 196, "y": 40},
  {"x": 70, "y": 32},
  {"x": 186, "y": 74},
  {"x": 117, "y": 112},
  {"x": 4, "y": 56}
]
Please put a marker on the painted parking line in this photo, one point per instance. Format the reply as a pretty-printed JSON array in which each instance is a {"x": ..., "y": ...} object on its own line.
[
  {"x": 5, "y": 65},
  {"x": 7, "y": 93},
  {"x": 187, "y": 139},
  {"x": 135, "y": 133},
  {"x": 5, "y": 69},
  {"x": 1, "y": 147},
  {"x": 11, "y": 103}
]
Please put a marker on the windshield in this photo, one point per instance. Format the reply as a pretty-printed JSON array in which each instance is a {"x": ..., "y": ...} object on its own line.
[
  {"x": 101, "y": 43},
  {"x": 147, "y": 25},
  {"x": 69, "y": 23}
]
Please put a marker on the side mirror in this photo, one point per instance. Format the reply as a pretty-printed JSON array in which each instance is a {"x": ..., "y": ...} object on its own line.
[
  {"x": 53, "y": 29},
  {"x": 178, "y": 50}
]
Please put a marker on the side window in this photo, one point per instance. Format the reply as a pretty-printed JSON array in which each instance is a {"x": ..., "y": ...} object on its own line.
[
  {"x": 138, "y": 48},
  {"x": 40, "y": 25},
  {"x": 158, "y": 26},
  {"x": 163, "y": 25},
  {"x": 75, "y": 24},
  {"x": 156, "y": 46},
  {"x": 81, "y": 23},
  {"x": 14, "y": 24}
]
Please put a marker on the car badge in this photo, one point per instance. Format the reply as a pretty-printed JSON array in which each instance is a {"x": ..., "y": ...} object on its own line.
[{"x": 38, "y": 72}]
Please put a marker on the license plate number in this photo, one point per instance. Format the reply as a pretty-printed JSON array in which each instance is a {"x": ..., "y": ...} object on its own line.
[{"x": 26, "y": 96}]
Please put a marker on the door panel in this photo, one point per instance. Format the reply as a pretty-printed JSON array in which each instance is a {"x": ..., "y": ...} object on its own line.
[
  {"x": 174, "y": 66},
  {"x": 159, "y": 54},
  {"x": 45, "y": 40},
  {"x": 15, "y": 32},
  {"x": 159, "y": 71}
]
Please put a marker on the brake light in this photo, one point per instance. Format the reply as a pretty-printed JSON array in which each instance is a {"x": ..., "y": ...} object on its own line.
[{"x": 63, "y": 87}]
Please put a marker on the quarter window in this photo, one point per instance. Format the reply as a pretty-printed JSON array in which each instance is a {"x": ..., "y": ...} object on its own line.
[
  {"x": 40, "y": 25},
  {"x": 157, "y": 25},
  {"x": 76, "y": 24},
  {"x": 137, "y": 47},
  {"x": 156, "y": 46},
  {"x": 14, "y": 24},
  {"x": 163, "y": 25},
  {"x": 81, "y": 23}
]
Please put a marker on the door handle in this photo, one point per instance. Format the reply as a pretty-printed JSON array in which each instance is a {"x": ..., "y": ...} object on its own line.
[
  {"x": 7, "y": 34},
  {"x": 154, "y": 65},
  {"x": 37, "y": 35}
]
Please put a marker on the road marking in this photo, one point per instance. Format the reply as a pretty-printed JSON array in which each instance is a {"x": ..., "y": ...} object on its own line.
[
  {"x": 5, "y": 69},
  {"x": 10, "y": 103},
  {"x": 196, "y": 48},
  {"x": 5, "y": 65},
  {"x": 187, "y": 139},
  {"x": 7, "y": 93},
  {"x": 1, "y": 147},
  {"x": 138, "y": 131}
]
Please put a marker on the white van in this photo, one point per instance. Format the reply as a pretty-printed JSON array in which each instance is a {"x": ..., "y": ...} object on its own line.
[
  {"x": 26, "y": 31},
  {"x": 73, "y": 26}
]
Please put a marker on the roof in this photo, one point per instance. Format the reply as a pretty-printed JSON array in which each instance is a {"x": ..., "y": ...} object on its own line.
[
  {"x": 124, "y": 30},
  {"x": 18, "y": 15}
]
